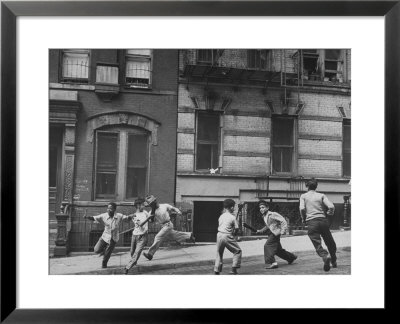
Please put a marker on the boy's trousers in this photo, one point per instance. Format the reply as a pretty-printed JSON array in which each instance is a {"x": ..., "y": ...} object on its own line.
[
  {"x": 229, "y": 242},
  {"x": 167, "y": 232},
  {"x": 318, "y": 227},
  {"x": 137, "y": 246},
  {"x": 106, "y": 248},
  {"x": 273, "y": 247}
]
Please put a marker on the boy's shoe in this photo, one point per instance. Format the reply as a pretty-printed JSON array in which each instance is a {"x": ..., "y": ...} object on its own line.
[
  {"x": 334, "y": 264},
  {"x": 126, "y": 271},
  {"x": 233, "y": 271},
  {"x": 294, "y": 258},
  {"x": 192, "y": 239},
  {"x": 216, "y": 272},
  {"x": 327, "y": 263},
  {"x": 148, "y": 256},
  {"x": 272, "y": 266}
]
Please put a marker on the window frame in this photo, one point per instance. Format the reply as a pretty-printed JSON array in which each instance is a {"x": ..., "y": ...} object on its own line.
[
  {"x": 253, "y": 52},
  {"x": 122, "y": 162},
  {"x": 214, "y": 54},
  {"x": 70, "y": 80},
  {"x": 139, "y": 58},
  {"x": 293, "y": 165},
  {"x": 217, "y": 142}
]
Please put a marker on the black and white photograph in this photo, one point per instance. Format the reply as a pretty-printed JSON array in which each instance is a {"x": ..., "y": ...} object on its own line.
[{"x": 199, "y": 161}]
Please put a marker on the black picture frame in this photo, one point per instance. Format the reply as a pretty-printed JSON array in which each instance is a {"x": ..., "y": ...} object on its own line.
[{"x": 11, "y": 10}]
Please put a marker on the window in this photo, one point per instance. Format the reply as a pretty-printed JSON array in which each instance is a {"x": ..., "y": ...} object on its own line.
[
  {"x": 138, "y": 68},
  {"x": 207, "y": 141},
  {"x": 121, "y": 164},
  {"x": 333, "y": 65},
  {"x": 207, "y": 56},
  {"x": 282, "y": 144},
  {"x": 257, "y": 59},
  {"x": 75, "y": 66},
  {"x": 346, "y": 148},
  {"x": 310, "y": 64}
]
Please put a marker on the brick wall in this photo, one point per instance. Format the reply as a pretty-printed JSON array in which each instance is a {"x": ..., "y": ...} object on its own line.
[
  {"x": 320, "y": 168},
  {"x": 316, "y": 147}
]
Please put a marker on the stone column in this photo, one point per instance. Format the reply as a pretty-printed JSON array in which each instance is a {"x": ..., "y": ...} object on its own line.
[
  {"x": 346, "y": 222},
  {"x": 60, "y": 249},
  {"x": 63, "y": 219}
]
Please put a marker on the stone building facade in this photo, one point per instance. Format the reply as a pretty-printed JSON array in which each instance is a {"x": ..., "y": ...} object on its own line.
[
  {"x": 112, "y": 137},
  {"x": 256, "y": 124}
]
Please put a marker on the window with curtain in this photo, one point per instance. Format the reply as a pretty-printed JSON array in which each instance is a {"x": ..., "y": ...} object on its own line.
[
  {"x": 138, "y": 68},
  {"x": 121, "y": 164},
  {"x": 282, "y": 144},
  {"x": 75, "y": 66},
  {"x": 207, "y": 141}
]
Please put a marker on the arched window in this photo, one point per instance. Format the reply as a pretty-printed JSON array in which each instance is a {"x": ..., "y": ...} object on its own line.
[{"x": 121, "y": 163}]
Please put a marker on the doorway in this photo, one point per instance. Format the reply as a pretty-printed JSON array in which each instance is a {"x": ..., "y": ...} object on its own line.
[
  {"x": 205, "y": 220},
  {"x": 55, "y": 156}
]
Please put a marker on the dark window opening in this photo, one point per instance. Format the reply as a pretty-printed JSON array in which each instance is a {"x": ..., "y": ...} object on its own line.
[
  {"x": 257, "y": 59},
  {"x": 332, "y": 64},
  {"x": 107, "y": 164},
  {"x": 282, "y": 145},
  {"x": 207, "y": 149},
  {"x": 53, "y": 166},
  {"x": 346, "y": 148},
  {"x": 310, "y": 64},
  {"x": 136, "y": 166},
  {"x": 207, "y": 56}
]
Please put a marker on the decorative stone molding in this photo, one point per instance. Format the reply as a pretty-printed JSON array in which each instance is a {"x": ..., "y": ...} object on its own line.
[
  {"x": 122, "y": 118},
  {"x": 63, "y": 112},
  {"x": 68, "y": 176}
]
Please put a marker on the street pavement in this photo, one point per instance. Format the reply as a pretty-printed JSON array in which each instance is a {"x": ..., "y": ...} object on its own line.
[
  {"x": 307, "y": 263},
  {"x": 175, "y": 258}
]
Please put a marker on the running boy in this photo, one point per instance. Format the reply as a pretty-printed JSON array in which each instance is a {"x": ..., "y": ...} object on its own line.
[
  {"x": 139, "y": 235},
  {"x": 277, "y": 225},
  {"x": 110, "y": 236},
  {"x": 313, "y": 206},
  {"x": 227, "y": 228},
  {"x": 161, "y": 214}
]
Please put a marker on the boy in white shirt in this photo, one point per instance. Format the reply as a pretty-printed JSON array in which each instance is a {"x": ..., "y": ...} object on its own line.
[
  {"x": 160, "y": 212},
  {"x": 227, "y": 228},
  {"x": 139, "y": 235}
]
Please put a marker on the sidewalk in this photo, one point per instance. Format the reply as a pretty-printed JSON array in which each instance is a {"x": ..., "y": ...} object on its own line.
[{"x": 180, "y": 256}]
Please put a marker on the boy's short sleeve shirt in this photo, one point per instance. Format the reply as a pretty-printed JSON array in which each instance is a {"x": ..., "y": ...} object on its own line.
[
  {"x": 161, "y": 214},
  {"x": 111, "y": 226},
  {"x": 227, "y": 223},
  {"x": 140, "y": 217}
]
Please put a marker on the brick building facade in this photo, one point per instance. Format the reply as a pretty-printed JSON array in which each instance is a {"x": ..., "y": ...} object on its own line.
[
  {"x": 256, "y": 124},
  {"x": 112, "y": 137}
]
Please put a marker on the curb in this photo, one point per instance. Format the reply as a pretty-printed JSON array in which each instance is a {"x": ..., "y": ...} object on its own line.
[{"x": 143, "y": 269}]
